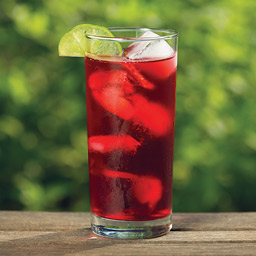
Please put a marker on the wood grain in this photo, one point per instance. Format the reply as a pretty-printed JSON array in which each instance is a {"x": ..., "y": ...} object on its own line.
[{"x": 46, "y": 233}]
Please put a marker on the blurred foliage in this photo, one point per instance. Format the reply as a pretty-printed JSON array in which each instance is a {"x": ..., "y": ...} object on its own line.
[{"x": 43, "y": 153}]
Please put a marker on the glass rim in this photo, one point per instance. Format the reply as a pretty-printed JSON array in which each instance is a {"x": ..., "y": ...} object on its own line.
[{"x": 170, "y": 34}]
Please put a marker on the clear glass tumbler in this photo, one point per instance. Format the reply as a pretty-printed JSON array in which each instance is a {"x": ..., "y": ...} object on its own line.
[{"x": 130, "y": 95}]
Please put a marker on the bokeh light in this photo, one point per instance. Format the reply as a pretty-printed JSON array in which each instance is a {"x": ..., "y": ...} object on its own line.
[{"x": 43, "y": 151}]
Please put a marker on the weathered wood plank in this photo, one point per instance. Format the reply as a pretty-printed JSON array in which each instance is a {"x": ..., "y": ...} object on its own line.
[
  {"x": 52, "y": 221},
  {"x": 172, "y": 237},
  {"x": 13, "y": 235},
  {"x": 176, "y": 249},
  {"x": 215, "y": 221},
  {"x": 44, "y": 233},
  {"x": 43, "y": 221},
  {"x": 75, "y": 243}
]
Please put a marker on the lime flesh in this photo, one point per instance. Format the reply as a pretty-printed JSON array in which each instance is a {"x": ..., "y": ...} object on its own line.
[{"x": 75, "y": 44}]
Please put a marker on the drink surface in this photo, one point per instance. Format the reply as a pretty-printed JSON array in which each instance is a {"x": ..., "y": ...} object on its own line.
[{"x": 130, "y": 119}]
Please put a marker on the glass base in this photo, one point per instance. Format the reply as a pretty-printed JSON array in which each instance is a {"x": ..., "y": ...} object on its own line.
[{"x": 130, "y": 229}]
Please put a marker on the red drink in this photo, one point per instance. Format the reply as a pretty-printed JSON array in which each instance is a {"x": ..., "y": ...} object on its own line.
[
  {"x": 130, "y": 118},
  {"x": 130, "y": 91}
]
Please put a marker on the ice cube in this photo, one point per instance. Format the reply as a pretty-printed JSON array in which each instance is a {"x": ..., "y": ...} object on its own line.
[
  {"x": 159, "y": 70},
  {"x": 111, "y": 89},
  {"x": 108, "y": 143},
  {"x": 113, "y": 100},
  {"x": 149, "y": 49},
  {"x": 151, "y": 115},
  {"x": 137, "y": 77},
  {"x": 118, "y": 174},
  {"x": 147, "y": 190},
  {"x": 100, "y": 79}
]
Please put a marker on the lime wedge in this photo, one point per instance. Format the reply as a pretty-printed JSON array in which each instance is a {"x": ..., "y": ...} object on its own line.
[{"x": 75, "y": 44}]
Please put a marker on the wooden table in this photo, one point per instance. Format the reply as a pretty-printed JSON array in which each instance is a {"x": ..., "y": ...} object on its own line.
[{"x": 50, "y": 233}]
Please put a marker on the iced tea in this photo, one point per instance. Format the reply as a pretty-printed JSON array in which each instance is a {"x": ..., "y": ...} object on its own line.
[{"x": 130, "y": 122}]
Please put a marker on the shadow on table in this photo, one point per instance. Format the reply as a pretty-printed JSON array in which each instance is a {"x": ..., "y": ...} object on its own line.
[
  {"x": 58, "y": 243},
  {"x": 77, "y": 241},
  {"x": 61, "y": 243}
]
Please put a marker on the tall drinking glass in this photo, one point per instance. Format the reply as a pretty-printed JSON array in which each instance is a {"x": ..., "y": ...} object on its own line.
[{"x": 130, "y": 119}]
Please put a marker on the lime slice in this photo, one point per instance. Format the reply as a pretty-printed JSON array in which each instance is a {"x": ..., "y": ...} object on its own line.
[{"x": 75, "y": 44}]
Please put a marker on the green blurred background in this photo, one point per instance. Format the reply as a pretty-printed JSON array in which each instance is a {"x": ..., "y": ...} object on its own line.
[{"x": 43, "y": 152}]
